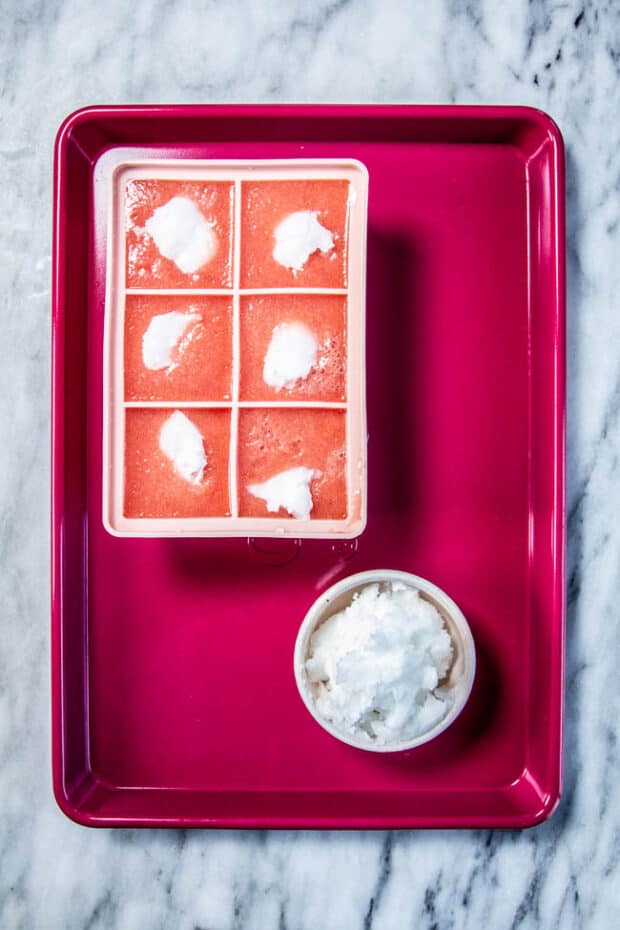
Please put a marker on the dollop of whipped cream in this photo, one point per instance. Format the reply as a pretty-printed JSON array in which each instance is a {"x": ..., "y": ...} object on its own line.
[
  {"x": 165, "y": 339},
  {"x": 181, "y": 442},
  {"x": 378, "y": 664},
  {"x": 290, "y": 356},
  {"x": 182, "y": 234},
  {"x": 298, "y": 236},
  {"x": 289, "y": 489}
]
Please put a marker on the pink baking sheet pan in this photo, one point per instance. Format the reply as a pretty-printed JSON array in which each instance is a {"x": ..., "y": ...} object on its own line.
[{"x": 173, "y": 696}]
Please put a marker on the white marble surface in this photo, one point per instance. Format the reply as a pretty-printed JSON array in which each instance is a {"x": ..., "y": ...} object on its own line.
[{"x": 56, "y": 56}]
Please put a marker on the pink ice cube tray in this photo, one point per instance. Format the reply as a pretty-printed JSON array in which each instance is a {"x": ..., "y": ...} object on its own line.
[{"x": 320, "y": 424}]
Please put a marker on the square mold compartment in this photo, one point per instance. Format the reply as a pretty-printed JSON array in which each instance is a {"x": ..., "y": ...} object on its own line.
[{"x": 234, "y": 302}]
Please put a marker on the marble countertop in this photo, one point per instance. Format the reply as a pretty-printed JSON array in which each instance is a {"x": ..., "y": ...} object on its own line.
[{"x": 57, "y": 55}]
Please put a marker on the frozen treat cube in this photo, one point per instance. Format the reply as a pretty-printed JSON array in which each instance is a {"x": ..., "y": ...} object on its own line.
[
  {"x": 179, "y": 234},
  {"x": 274, "y": 441},
  {"x": 163, "y": 477}
]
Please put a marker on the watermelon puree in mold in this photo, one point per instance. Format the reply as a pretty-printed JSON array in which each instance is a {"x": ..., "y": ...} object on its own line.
[
  {"x": 324, "y": 315},
  {"x": 273, "y": 440},
  {"x": 146, "y": 267},
  {"x": 202, "y": 365},
  {"x": 153, "y": 488},
  {"x": 265, "y": 204},
  {"x": 245, "y": 442}
]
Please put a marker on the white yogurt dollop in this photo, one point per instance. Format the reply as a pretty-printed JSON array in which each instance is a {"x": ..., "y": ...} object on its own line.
[
  {"x": 164, "y": 339},
  {"x": 297, "y": 237},
  {"x": 182, "y": 234},
  {"x": 291, "y": 355},
  {"x": 289, "y": 489},
  {"x": 181, "y": 442},
  {"x": 378, "y": 664}
]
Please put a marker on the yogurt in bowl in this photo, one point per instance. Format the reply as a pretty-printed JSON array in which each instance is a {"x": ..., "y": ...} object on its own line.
[{"x": 384, "y": 661}]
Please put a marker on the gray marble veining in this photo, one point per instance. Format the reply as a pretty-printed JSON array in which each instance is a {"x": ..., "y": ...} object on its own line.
[{"x": 561, "y": 56}]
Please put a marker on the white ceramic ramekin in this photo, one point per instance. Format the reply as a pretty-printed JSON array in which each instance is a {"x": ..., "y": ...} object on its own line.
[{"x": 460, "y": 677}]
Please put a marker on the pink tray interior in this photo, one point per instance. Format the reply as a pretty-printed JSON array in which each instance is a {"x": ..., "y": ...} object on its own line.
[{"x": 173, "y": 694}]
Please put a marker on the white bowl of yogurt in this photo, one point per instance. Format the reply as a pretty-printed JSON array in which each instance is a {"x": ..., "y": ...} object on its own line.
[{"x": 384, "y": 661}]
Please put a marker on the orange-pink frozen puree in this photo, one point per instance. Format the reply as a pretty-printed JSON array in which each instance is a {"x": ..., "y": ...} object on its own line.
[
  {"x": 153, "y": 488},
  {"x": 265, "y": 204},
  {"x": 323, "y": 315},
  {"x": 146, "y": 266},
  {"x": 271, "y": 441},
  {"x": 204, "y": 369}
]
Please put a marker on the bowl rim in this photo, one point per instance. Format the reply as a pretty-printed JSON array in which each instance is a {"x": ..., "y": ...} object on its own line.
[{"x": 316, "y": 614}]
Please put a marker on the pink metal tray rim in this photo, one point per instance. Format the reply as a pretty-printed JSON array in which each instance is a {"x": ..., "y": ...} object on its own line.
[
  {"x": 66, "y": 798},
  {"x": 525, "y": 785},
  {"x": 431, "y": 113}
]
